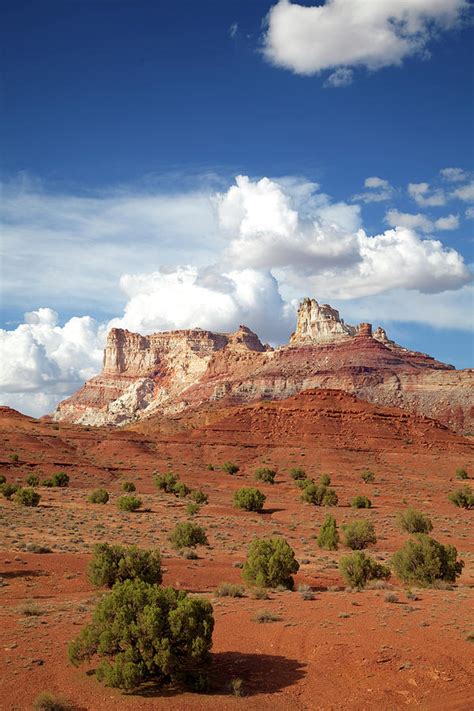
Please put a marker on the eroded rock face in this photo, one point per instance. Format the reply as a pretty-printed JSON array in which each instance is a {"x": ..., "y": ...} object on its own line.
[{"x": 165, "y": 373}]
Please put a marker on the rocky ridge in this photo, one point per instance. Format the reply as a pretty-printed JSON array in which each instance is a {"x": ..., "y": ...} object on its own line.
[{"x": 166, "y": 373}]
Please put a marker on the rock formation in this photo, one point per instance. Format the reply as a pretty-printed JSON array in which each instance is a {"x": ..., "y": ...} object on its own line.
[{"x": 165, "y": 373}]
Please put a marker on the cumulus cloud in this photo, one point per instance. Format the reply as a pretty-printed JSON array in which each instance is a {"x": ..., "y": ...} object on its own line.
[
  {"x": 421, "y": 222},
  {"x": 454, "y": 175},
  {"x": 425, "y": 196},
  {"x": 355, "y": 33},
  {"x": 378, "y": 190},
  {"x": 465, "y": 192},
  {"x": 43, "y": 362}
]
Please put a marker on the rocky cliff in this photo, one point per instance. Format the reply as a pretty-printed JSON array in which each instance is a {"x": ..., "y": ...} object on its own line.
[{"x": 165, "y": 373}]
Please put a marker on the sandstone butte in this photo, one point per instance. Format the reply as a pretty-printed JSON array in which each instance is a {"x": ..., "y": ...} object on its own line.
[{"x": 165, "y": 373}]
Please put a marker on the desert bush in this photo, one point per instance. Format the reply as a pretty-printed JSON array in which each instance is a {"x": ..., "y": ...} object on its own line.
[
  {"x": 328, "y": 537},
  {"x": 357, "y": 569},
  {"x": 297, "y": 473},
  {"x": 49, "y": 702},
  {"x": 319, "y": 495},
  {"x": 462, "y": 497},
  {"x": 192, "y": 508},
  {"x": 325, "y": 480},
  {"x": 47, "y": 482},
  {"x": 199, "y": 497},
  {"x": 166, "y": 482},
  {"x": 249, "y": 499},
  {"x": 305, "y": 592},
  {"x": 270, "y": 562},
  {"x": 423, "y": 561},
  {"x": 230, "y": 590},
  {"x": 37, "y": 548},
  {"x": 188, "y": 535},
  {"x": 230, "y": 468},
  {"x": 146, "y": 632},
  {"x": 359, "y": 534},
  {"x": 265, "y": 474},
  {"x": 361, "y": 502},
  {"x": 3, "y": 479},
  {"x": 181, "y": 490},
  {"x": 14, "y": 457},
  {"x": 128, "y": 486},
  {"x": 413, "y": 521},
  {"x": 303, "y": 483},
  {"x": 98, "y": 496},
  {"x": 32, "y": 480},
  {"x": 461, "y": 473},
  {"x": 266, "y": 616},
  {"x": 60, "y": 479},
  {"x": 112, "y": 564},
  {"x": 8, "y": 490},
  {"x": 236, "y": 686},
  {"x": 27, "y": 497},
  {"x": 367, "y": 476},
  {"x": 129, "y": 503}
]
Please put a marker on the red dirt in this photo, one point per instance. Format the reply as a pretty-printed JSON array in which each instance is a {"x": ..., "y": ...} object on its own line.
[{"x": 341, "y": 650}]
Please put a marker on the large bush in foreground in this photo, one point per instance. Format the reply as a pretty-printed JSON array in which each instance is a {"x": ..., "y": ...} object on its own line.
[
  {"x": 359, "y": 568},
  {"x": 112, "y": 564},
  {"x": 270, "y": 562},
  {"x": 414, "y": 521},
  {"x": 423, "y": 561},
  {"x": 143, "y": 633},
  {"x": 249, "y": 499}
]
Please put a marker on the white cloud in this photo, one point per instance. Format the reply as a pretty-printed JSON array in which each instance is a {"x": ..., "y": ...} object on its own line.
[
  {"x": 469, "y": 214},
  {"x": 425, "y": 196},
  {"x": 378, "y": 190},
  {"x": 233, "y": 29},
  {"x": 354, "y": 33},
  {"x": 421, "y": 222},
  {"x": 341, "y": 77},
  {"x": 465, "y": 192},
  {"x": 375, "y": 182},
  {"x": 454, "y": 175}
]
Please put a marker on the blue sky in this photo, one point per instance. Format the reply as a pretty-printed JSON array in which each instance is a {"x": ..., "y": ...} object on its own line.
[{"x": 125, "y": 123}]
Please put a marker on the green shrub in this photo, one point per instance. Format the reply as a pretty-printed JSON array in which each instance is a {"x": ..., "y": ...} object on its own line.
[
  {"x": 27, "y": 497},
  {"x": 48, "y": 702},
  {"x": 413, "y": 521},
  {"x": 303, "y": 483},
  {"x": 14, "y": 457},
  {"x": 265, "y": 474},
  {"x": 8, "y": 490},
  {"x": 60, "y": 479},
  {"x": 423, "y": 561},
  {"x": 3, "y": 479},
  {"x": 461, "y": 473},
  {"x": 270, "y": 562},
  {"x": 192, "y": 508},
  {"x": 357, "y": 569},
  {"x": 325, "y": 480},
  {"x": 98, "y": 496},
  {"x": 230, "y": 468},
  {"x": 463, "y": 497},
  {"x": 210, "y": 467},
  {"x": 249, "y": 499},
  {"x": 229, "y": 590},
  {"x": 297, "y": 473},
  {"x": 328, "y": 537},
  {"x": 128, "y": 486},
  {"x": 114, "y": 564},
  {"x": 32, "y": 480},
  {"x": 199, "y": 497},
  {"x": 358, "y": 534},
  {"x": 188, "y": 535},
  {"x": 166, "y": 482},
  {"x": 47, "y": 482},
  {"x": 319, "y": 495},
  {"x": 367, "y": 476},
  {"x": 146, "y": 632},
  {"x": 361, "y": 502},
  {"x": 129, "y": 503},
  {"x": 181, "y": 490}
]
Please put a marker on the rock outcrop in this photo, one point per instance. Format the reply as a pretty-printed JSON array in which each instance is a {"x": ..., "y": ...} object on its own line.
[{"x": 166, "y": 373}]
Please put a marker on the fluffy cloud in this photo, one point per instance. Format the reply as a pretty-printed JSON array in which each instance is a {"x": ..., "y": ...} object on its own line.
[
  {"x": 378, "y": 190},
  {"x": 352, "y": 33},
  {"x": 454, "y": 175},
  {"x": 425, "y": 196},
  {"x": 43, "y": 362},
  {"x": 341, "y": 77},
  {"x": 421, "y": 222},
  {"x": 465, "y": 192}
]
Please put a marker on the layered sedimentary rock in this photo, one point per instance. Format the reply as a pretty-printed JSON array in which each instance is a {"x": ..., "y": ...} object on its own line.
[{"x": 165, "y": 373}]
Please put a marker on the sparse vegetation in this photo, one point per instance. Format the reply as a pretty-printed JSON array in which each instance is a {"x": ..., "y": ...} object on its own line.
[
  {"x": 98, "y": 496},
  {"x": 359, "y": 534},
  {"x": 423, "y": 561},
  {"x": 325, "y": 480},
  {"x": 181, "y": 490},
  {"x": 266, "y": 616},
  {"x": 265, "y": 474},
  {"x": 112, "y": 564},
  {"x": 358, "y": 568},
  {"x": 50, "y": 702},
  {"x": 230, "y": 468},
  {"x": 328, "y": 537},
  {"x": 199, "y": 497},
  {"x": 128, "y": 486},
  {"x": 249, "y": 499},
  {"x": 461, "y": 473},
  {"x": 462, "y": 497},
  {"x": 367, "y": 476},
  {"x": 27, "y": 497},
  {"x": 14, "y": 458},
  {"x": 319, "y": 495},
  {"x": 32, "y": 480},
  {"x": 145, "y": 632},
  {"x": 188, "y": 535},
  {"x": 297, "y": 473},
  {"x": 166, "y": 482},
  {"x": 305, "y": 592},
  {"x": 270, "y": 562},
  {"x": 413, "y": 521},
  {"x": 192, "y": 508},
  {"x": 3, "y": 479},
  {"x": 129, "y": 503},
  {"x": 8, "y": 490},
  {"x": 61, "y": 480},
  {"x": 230, "y": 590},
  {"x": 361, "y": 502}
]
